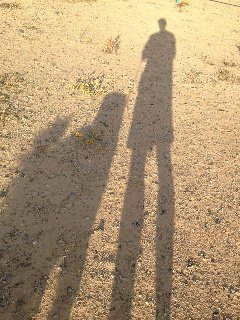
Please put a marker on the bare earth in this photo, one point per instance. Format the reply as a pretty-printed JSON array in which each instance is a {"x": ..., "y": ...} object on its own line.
[{"x": 119, "y": 169}]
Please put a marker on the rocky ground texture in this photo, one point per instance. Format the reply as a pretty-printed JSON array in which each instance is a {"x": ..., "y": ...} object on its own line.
[{"x": 84, "y": 233}]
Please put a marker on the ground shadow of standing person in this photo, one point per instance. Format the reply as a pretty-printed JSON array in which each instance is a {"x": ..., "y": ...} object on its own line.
[
  {"x": 50, "y": 211},
  {"x": 151, "y": 127}
]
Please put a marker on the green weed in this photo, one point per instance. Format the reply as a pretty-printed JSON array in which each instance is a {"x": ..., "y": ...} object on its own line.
[{"x": 90, "y": 85}]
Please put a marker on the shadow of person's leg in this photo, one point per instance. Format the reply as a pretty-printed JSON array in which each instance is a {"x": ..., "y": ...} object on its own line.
[
  {"x": 69, "y": 280},
  {"x": 76, "y": 243},
  {"x": 129, "y": 240},
  {"x": 27, "y": 231},
  {"x": 165, "y": 230}
]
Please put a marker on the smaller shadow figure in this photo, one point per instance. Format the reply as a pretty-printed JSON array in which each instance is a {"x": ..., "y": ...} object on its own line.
[
  {"x": 50, "y": 211},
  {"x": 151, "y": 128}
]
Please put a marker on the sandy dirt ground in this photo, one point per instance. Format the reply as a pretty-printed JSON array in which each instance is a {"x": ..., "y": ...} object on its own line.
[{"x": 119, "y": 160}]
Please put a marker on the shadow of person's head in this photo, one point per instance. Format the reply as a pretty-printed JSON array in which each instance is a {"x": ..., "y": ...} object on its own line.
[
  {"x": 53, "y": 133},
  {"x": 162, "y": 24},
  {"x": 112, "y": 105},
  {"x": 110, "y": 115}
]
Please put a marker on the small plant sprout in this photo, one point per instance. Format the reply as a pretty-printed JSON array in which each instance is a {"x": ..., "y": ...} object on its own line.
[
  {"x": 90, "y": 137},
  {"x": 112, "y": 45}
]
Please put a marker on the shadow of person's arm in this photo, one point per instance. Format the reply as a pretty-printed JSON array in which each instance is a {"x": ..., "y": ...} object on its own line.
[
  {"x": 173, "y": 47},
  {"x": 146, "y": 54}
]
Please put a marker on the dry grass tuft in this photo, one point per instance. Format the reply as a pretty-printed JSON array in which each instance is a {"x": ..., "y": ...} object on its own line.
[
  {"x": 194, "y": 76},
  {"x": 9, "y": 5},
  {"x": 182, "y": 4},
  {"x": 226, "y": 75},
  {"x": 87, "y": 1},
  {"x": 112, "y": 45},
  {"x": 7, "y": 109},
  {"x": 10, "y": 85},
  {"x": 229, "y": 63},
  {"x": 11, "y": 82},
  {"x": 83, "y": 38}
]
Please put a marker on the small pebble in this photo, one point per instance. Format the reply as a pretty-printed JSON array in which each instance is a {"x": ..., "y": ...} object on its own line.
[
  {"x": 3, "y": 193},
  {"x": 218, "y": 220},
  {"x": 232, "y": 289},
  {"x": 70, "y": 290},
  {"x": 216, "y": 314},
  {"x": 190, "y": 263},
  {"x": 55, "y": 316},
  {"x": 101, "y": 225}
]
